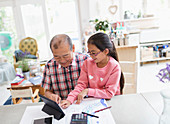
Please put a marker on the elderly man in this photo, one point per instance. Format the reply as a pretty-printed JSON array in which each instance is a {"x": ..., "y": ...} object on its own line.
[{"x": 62, "y": 71}]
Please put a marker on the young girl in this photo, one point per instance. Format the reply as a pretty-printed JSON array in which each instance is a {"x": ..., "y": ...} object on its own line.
[{"x": 101, "y": 75}]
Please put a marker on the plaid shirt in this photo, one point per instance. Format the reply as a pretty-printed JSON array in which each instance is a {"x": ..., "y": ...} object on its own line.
[{"x": 60, "y": 79}]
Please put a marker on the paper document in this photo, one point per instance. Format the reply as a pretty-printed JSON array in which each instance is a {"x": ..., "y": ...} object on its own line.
[{"x": 88, "y": 105}]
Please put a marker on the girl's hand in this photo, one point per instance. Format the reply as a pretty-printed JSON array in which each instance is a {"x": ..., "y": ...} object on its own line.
[
  {"x": 81, "y": 96},
  {"x": 65, "y": 104}
]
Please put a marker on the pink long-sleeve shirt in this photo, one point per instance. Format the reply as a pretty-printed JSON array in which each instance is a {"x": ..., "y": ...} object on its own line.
[{"x": 101, "y": 82}]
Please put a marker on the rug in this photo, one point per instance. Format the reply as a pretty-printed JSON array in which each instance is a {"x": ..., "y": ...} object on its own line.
[{"x": 9, "y": 101}]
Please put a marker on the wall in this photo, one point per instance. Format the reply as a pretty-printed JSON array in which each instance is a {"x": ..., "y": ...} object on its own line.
[{"x": 92, "y": 9}]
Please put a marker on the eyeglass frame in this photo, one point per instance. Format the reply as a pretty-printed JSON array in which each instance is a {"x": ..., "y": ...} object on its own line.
[{"x": 94, "y": 54}]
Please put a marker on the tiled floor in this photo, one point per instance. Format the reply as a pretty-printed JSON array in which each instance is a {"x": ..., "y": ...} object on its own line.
[{"x": 147, "y": 80}]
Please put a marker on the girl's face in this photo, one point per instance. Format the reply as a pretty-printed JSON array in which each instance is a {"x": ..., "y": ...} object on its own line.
[{"x": 97, "y": 55}]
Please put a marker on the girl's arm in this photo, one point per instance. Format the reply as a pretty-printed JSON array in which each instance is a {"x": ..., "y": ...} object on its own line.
[
  {"x": 81, "y": 84},
  {"x": 111, "y": 86}
]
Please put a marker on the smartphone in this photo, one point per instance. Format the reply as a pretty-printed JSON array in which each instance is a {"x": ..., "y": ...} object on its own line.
[{"x": 45, "y": 120}]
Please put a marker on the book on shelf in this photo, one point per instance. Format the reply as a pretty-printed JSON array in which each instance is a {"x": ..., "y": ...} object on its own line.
[{"x": 17, "y": 81}]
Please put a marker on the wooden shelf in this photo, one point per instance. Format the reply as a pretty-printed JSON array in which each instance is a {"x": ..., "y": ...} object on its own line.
[
  {"x": 155, "y": 59},
  {"x": 145, "y": 44},
  {"x": 126, "y": 46},
  {"x": 154, "y": 43}
]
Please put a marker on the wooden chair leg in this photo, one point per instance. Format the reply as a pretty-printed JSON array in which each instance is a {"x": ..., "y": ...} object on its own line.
[
  {"x": 19, "y": 101},
  {"x": 35, "y": 100},
  {"x": 14, "y": 101},
  {"x": 38, "y": 98},
  {"x": 32, "y": 98}
]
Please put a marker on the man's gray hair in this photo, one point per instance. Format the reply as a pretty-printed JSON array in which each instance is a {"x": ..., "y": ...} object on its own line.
[{"x": 65, "y": 38}]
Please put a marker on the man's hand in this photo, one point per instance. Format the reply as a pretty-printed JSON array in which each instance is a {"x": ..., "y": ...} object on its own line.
[
  {"x": 53, "y": 96},
  {"x": 65, "y": 104},
  {"x": 81, "y": 96}
]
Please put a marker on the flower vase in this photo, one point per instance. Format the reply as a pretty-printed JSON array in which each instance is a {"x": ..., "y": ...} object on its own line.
[
  {"x": 165, "y": 116},
  {"x": 26, "y": 75}
]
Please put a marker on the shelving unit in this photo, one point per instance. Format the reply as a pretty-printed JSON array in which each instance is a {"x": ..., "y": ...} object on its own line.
[
  {"x": 129, "y": 65},
  {"x": 151, "y": 44}
]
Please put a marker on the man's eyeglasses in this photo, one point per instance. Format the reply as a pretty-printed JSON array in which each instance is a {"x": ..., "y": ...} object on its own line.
[{"x": 93, "y": 54}]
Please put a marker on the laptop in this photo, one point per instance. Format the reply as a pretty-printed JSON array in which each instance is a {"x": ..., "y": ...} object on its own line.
[{"x": 52, "y": 108}]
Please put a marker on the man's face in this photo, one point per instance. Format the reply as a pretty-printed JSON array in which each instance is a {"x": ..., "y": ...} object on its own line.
[{"x": 63, "y": 55}]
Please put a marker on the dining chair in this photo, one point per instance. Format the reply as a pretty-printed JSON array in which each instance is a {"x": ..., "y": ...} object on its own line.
[{"x": 19, "y": 94}]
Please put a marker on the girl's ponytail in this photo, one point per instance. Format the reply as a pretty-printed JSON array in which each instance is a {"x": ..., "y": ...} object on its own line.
[{"x": 113, "y": 53}]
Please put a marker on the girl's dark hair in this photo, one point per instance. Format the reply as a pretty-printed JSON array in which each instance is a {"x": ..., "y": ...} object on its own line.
[{"x": 102, "y": 41}]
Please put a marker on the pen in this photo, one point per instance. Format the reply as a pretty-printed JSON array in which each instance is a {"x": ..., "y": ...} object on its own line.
[
  {"x": 102, "y": 109},
  {"x": 90, "y": 115}
]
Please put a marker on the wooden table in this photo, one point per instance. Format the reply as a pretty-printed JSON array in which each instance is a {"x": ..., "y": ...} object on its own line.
[
  {"x": 27, "y": 85},
  {"x": 126, "y": 109}
]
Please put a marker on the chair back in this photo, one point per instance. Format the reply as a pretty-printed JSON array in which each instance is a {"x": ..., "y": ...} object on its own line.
[
  {"x": 21, "y": 93},
  {"x": 29, "y": 44}
]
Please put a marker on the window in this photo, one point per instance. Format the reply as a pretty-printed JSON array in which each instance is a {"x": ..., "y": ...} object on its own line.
[
  {"x": 40, "y": 19},
  {"x": 62, "y": 18},
  {"x": 7, "y": 26},
  {"x": 34, "y": 26}
]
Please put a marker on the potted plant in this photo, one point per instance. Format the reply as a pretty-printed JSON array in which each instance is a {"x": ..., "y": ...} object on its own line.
[
  {"x": 23, "y": 64},
  {"x": 164, "y": 76},
  {"x": 100, "y": 25}
]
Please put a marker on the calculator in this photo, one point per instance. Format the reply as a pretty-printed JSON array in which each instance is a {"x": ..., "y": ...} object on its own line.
[{"x": 78, "y": 119}]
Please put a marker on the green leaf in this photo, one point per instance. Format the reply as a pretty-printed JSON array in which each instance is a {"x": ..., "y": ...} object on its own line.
[
  {"x": 91, "y": 21},
  {"x": 96, "y": 20}
]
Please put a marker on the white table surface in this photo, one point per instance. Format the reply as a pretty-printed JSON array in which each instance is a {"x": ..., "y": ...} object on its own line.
[
  {"x": 12, "y": 114},
  {"x": 133, "y": 109},
  {"x": 155, "y": 102},
  {"x": 126, "y": 109}
]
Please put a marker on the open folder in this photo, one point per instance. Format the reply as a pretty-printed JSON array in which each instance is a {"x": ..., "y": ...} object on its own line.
[{"x": 52, "y": 108}]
